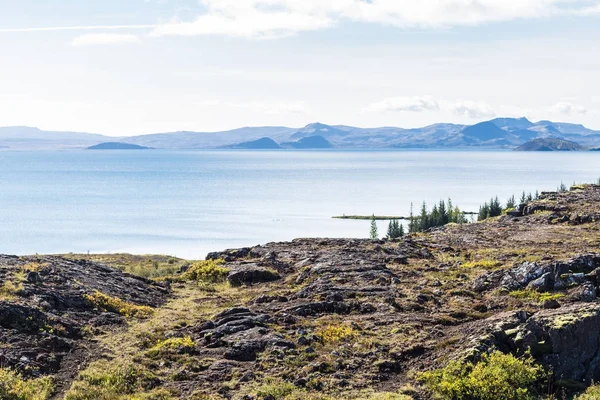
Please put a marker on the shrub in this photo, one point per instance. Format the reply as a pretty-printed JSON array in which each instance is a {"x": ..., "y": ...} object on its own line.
[
  {"x": 497, "y": 376},
  {"x": 336, "y": 333},
  {"x": 209, "y": 271},
  {"x": 592, "y": 393},
  {"x": 116, "y": 305},
  {"x": 14, "y": 387}
]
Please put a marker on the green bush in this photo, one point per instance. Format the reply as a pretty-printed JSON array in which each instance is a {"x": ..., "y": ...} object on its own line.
[
  {"x": 209, "y": 271},
  {"x": 14, "y": 387},
  {"x": 497, "y": 376},
  {"x": 592, "y": 393}
]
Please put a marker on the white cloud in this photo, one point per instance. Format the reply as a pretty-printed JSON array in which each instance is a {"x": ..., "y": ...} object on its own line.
[
  {"x": 414, "y": 104},
  {"x": 472, "y": 109},
  {"x": 276, "y": 18},
  {"x": 94, "y": 39},
  {"x": 567, "y": 108},
  {"x": 242, "y": 19}
]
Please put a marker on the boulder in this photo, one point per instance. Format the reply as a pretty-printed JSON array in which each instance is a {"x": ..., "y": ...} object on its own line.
[{"x": 250, "y": 274}]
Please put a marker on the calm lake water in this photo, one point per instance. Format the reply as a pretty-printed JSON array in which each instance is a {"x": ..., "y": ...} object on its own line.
[{"x": 187, "y": 203}]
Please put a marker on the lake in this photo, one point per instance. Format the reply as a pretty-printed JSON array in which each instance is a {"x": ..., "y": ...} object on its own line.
[{"x": 187, "y": 203}]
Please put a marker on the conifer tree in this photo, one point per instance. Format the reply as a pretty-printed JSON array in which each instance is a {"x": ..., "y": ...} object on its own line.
[
  {"x": 411, "y": 220},
  {"x": 523, "y": 198},
  {"x": 390, "y": 230},
  {"x": 373, "y": 234},
  {"x": 401, "y": 231},
  {"x": 423, "y": 222},
  {"x": 511, "y": 202}
]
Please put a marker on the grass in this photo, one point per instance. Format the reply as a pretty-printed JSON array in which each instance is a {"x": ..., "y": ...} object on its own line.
[
  {"x": 116, "y": 305},
  {"x": 532, "y": 295},
  {"x": 14, "y": 387},
  {"x": 178, "y": 345},
  {"x": 10, "y": 290},
  {"x": 124, "y": 380},
  {"x": 485, "y": 264},
  {"x": 146, "y": 266},
  {"x": 144, "y": 340}
]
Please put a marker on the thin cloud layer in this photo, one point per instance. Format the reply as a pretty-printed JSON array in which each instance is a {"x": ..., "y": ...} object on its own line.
[
  {"x": 95, "y": 39},
  {"x": 470, "y": 109},
  {"x": 278, "y": 18},
  {"x": 411, "y": 104}
]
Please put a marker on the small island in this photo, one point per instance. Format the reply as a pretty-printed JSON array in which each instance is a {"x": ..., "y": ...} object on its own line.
[
  {"x": 117, "y": 146},
  {"x": 550, "y": 144}
]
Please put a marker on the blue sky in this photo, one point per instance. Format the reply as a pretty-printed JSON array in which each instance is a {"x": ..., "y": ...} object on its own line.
[{"x": 141, "y": 66}]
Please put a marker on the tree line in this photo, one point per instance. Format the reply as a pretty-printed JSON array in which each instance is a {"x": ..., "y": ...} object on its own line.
[
  {"x": 445, "y": 212},
  {"x": 441, "y": 214}
]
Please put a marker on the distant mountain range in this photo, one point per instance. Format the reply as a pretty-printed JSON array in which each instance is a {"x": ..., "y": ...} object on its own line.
[{"x": 507, "y": 133}]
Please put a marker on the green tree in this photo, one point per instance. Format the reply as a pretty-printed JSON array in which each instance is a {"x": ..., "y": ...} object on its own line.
[
  {"x": 424, "y": 218},
  {"x": 511, "y": 202},
  {"x": 373, "y": 234},
  {"x": 411, "y": 220}
]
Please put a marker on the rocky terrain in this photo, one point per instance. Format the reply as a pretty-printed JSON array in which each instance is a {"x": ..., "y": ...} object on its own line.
[{"x": 319, "y": 318}]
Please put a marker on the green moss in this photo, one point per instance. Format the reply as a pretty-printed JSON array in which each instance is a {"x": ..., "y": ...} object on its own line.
[
  {"x": 496, "y": 377},
  {"x": 14, "y": 387}
]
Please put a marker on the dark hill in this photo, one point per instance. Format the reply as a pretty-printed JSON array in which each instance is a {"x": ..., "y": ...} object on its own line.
[
  {"x": 550, "y": 144},
  {"x": 117, "y": 146},
  {"x": 263, "y": 143}
]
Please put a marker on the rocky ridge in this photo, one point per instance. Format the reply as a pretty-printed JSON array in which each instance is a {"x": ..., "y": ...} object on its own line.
[{"x": 339, "y": 317}]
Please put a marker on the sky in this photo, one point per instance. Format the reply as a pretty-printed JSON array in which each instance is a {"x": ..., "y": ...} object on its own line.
[{"x": 144, "y": 66}]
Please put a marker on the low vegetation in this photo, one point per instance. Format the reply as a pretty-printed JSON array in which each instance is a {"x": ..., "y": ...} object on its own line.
[
  {"x": 592, "y": 393},
  {"x": 532, "y": 295},
  {"x": 146, "y": 266},
  {"x": 496, "y": 376},
  {"x": 14, "y": 387},
  {"x": 206, "y": 272},
  {"x": 116, "y": 381},
  {"x": 116, "y": 305}
]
